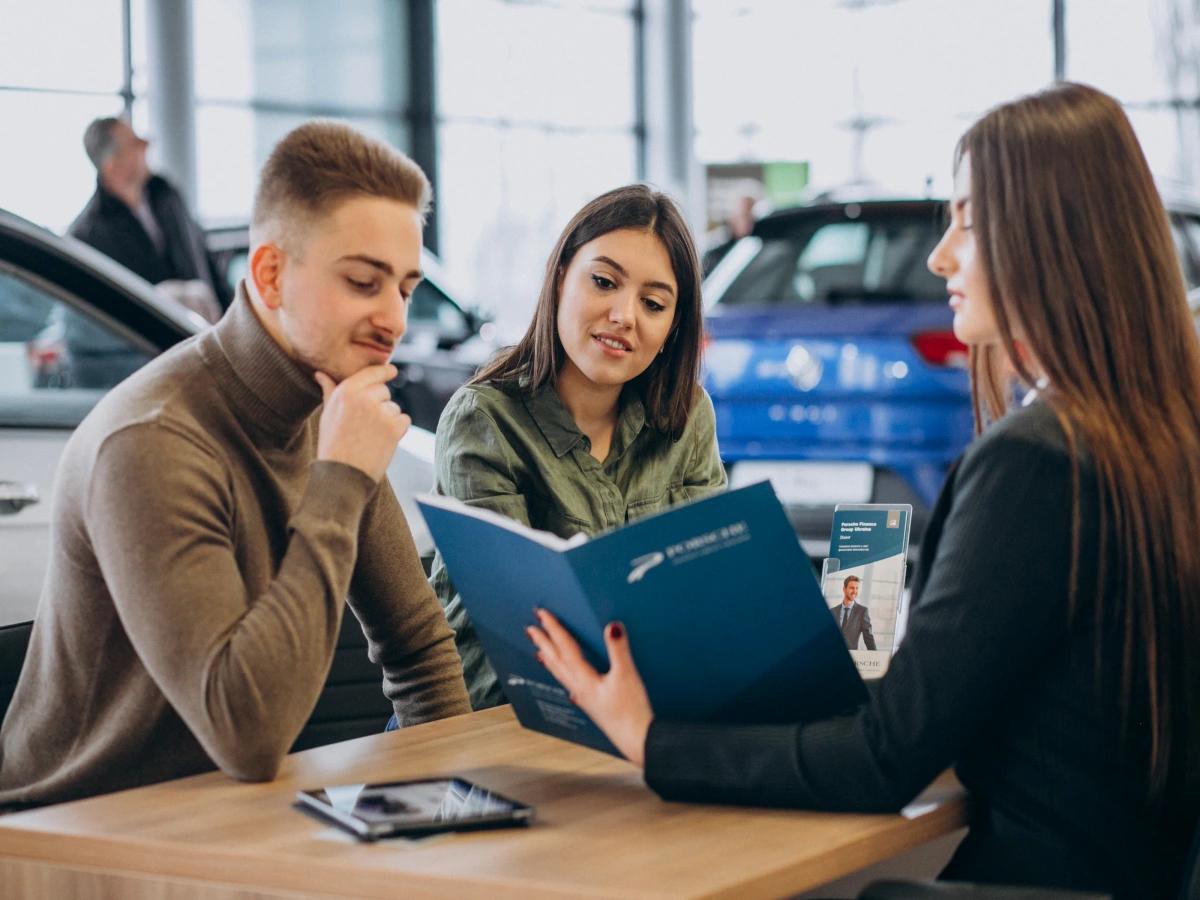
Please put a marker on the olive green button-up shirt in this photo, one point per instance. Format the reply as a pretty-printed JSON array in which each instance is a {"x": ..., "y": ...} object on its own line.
[{"x": 524, "y": 456}]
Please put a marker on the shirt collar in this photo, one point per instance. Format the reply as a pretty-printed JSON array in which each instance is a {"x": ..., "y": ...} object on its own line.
[
  {"x": 563, "y": 435},
  {"x": 630, "y": 424},
  {"x": 110, "y": 203},
  {"x": 259, "y": 375}
]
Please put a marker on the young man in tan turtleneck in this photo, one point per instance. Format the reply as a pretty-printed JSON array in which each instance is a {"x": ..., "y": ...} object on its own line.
[{"x": 215, "y": 510}]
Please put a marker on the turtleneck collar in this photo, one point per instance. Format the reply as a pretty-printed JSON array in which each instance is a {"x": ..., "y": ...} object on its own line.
[{"x": 274, "y": 390}]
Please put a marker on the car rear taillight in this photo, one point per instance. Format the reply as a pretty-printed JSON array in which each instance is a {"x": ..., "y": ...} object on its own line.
[{"x": 941, "y": 348}]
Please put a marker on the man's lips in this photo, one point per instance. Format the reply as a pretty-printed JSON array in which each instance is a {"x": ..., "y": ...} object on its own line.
[
  {"x": 956, "y": 299},
  {"x": 384, "y": 350}
]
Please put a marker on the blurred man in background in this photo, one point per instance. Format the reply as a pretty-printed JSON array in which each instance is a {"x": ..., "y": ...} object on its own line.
[
  {"x": 739, "y": 224},
  {"x": 142, "y": 222}
]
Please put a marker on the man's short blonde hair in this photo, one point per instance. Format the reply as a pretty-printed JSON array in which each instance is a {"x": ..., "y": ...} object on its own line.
[{"x": 321, "y": 164}]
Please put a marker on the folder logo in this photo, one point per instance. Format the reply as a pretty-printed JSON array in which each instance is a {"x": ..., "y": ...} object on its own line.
[
  {"x": 644, "y": 564},
  {"x": 893, "y": 519}
]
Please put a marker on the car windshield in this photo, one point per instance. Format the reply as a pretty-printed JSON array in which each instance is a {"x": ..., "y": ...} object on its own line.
[{"x": 822, "y": 262}]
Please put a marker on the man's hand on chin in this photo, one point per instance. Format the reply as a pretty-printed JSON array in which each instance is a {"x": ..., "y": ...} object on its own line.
[{"x": 361, "y": 424}]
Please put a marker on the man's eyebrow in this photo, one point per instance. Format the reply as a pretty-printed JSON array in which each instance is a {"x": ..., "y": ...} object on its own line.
[
  {"x": 379, "y": 264},
  {"x": 662, "y": 285}
]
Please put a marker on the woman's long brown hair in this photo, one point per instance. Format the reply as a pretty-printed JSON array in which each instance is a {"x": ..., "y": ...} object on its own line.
[
  {"x": 1077, "y": 249},
  {"x": 669, "y": 385}
]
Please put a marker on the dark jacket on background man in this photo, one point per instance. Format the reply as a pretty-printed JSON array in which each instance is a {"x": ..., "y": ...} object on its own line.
[
  {"x": 108, "y": 224},
  {"x": 994, "y": 676},
  {"x": 856, "y": 624}
]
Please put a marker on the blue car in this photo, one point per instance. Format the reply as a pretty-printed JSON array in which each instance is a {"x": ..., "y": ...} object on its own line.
[{"x": 831, "y": 361}]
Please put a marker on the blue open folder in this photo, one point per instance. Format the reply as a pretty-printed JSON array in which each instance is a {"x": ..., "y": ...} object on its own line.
[{"x": 725, "y": 618}]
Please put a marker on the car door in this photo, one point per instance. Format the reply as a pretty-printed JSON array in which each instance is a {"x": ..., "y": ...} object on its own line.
[{"x": 58, "y": 357}]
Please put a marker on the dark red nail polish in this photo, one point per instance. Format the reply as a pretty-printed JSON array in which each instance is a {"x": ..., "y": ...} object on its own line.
[
  {"x": 538, "y": 656},
  {"x": 571, "y": 697},
  {"x": 616, "y": 630}
]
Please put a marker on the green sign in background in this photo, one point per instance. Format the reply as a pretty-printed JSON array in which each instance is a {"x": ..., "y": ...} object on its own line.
[{"x": 784, "y": 182}]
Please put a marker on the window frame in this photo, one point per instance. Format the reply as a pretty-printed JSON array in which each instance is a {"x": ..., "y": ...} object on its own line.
[{"x": 66, "y": 415}]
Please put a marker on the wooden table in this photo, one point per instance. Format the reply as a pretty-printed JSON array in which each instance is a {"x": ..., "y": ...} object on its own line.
[{"x": 599, "y": 832}]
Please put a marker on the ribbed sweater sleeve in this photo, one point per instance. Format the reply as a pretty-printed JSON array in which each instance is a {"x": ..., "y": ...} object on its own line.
[
  {"x": 243, "y": 672},
  {"x": 405, "y": 628}
]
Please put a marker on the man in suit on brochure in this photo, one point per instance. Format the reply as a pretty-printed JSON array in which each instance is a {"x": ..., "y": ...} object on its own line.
[{"x": 855, "y": 620}]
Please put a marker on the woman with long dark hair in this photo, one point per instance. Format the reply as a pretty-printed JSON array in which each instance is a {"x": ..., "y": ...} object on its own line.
[
  {"x": 596, "y": 417},
  {"x": 1053, "y": 648}
]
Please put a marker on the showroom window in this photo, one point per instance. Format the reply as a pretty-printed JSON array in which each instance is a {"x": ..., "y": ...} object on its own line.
[
  {"x": 880, "y": 92},
  {"x": 90, "y": 62},
  {"x": 1145, "y": 55},
  {"x": 799, "y": 82},
  {"x": 264, "y": 66},
  {"x": 536, "y": 116}
]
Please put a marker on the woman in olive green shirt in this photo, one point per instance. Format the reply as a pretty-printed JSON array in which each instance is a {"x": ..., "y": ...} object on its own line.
[{"x": 597, "y": 416}]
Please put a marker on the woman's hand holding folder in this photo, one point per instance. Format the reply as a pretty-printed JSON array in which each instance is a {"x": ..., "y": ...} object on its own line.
[{"x": 616, "y": 701}]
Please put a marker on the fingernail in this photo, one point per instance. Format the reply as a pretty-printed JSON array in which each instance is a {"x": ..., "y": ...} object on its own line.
[
  {"x": 529, "y": 632},
  {"x": 538, "y": 657},
  {"x": 571, "y": 697},
  {"x": 537, "y": 612},
  {"x": 616, "y": 631}
]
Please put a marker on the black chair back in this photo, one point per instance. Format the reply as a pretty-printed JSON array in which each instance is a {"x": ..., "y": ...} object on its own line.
[
  {"x": 951, "y": 890},
  {"x": 352, "y": 703},
  {"x": 14, "y": 644},
  {"x": 1191, "y": 873}
]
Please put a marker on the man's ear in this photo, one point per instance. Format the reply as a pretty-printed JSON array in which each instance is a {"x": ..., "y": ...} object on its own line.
[{"x": 266, "y": 271}]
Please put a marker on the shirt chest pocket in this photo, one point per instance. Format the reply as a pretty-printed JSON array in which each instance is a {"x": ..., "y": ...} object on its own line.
[
  {"x": 545, "y": 515},
  {"x": 647, "y": 503}
]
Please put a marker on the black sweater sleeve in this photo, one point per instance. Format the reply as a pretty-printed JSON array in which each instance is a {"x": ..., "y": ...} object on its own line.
[{"x": 993, "y": 605}]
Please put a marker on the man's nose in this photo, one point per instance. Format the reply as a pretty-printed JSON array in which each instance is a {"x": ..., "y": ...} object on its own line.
[{"x": 393, "y": 317}]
